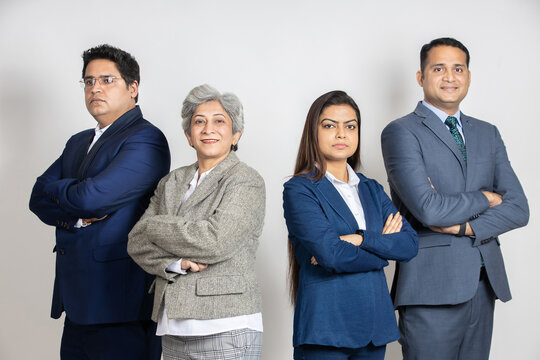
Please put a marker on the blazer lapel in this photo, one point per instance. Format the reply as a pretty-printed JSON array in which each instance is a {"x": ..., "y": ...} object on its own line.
[
  {"x": 332, "y": 196},
  {"x": 472, "y": 144},
  {"x": 120, "y": 124},
  {"x": 80, "y": 153},
  {"x": 367, "y": 198},
  {"x": 175, "y": 194},
  {"x": 209, "y": 184},
  {"x": 441, "y": 131}
]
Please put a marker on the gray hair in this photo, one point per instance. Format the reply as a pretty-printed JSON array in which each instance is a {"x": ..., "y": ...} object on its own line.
[{"x": 205, "y": 93}]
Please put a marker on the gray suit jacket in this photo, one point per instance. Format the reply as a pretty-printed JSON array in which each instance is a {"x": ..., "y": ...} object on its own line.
[
  {"x": 446, "y": 269},
  {"x": 219, "y": 225}
]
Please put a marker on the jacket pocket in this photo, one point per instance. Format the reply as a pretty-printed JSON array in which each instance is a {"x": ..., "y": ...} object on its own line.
[
  {"x": 434, "y": 240},
  {"x": 220, "y": 285},
  {"x": 112, "y": 252}
]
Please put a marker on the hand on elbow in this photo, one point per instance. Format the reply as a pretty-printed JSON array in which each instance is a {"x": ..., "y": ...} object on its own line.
[
  {"x": 192, "y": 266},
  {"x": 493, "y": 198}
]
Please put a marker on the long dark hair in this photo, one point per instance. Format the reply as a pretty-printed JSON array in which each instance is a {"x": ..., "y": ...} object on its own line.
[{"x": 309, "y": 154}]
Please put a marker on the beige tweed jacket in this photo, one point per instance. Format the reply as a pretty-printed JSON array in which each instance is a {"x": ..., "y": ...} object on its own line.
[{"x": 219, "y": 225}]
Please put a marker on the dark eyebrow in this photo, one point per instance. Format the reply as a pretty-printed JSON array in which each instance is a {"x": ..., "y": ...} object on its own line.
[
  {"x": 442, "y": 64},
  {"x": 335, "y": 121},
  {"x": 104, "y": 76}
]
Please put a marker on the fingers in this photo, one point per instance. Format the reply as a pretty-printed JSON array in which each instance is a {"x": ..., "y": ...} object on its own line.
[
  {"x": 313, "y": 261},
  {"x": 193, "y": 266},
  {"x": 393, "y": 223}
]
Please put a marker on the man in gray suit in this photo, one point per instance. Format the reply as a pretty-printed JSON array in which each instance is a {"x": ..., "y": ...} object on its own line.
[{"x": 450, "y": 176}]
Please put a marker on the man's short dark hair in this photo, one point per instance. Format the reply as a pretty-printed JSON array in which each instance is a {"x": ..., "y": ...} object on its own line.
[
  {"x": 125, "y": 63},
  {"x": 441, "y": 42}
]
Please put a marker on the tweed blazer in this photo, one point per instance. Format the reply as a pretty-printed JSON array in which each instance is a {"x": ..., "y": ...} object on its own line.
[{"x": 218, "y": 225}]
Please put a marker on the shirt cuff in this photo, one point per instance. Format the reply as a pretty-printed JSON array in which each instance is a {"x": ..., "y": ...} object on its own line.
[{"x": 176, "y": 267}]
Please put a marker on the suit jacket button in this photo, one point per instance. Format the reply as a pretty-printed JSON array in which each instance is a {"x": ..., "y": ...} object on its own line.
[{"x": 62, "y": 252}]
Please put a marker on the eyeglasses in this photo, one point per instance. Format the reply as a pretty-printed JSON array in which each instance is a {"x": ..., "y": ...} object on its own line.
[{"x": 105, "y": 80}]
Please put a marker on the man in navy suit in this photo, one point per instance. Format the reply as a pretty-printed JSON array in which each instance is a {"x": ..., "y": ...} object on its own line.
[
  {"x": 93, "y": 194},
  {"x": 450, "y": 176}
]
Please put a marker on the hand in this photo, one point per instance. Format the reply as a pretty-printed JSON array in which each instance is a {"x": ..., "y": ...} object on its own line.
[
  {"x": 430, "y": 183},
  {"x": 393, "y": 224},
  {"x": 453, "y": 230},
  {"x": 90, "y": 221},
  {"x": 192, "y": 266},
  {"x": 494, "y": 198},
  {"x": 355, "y": 239}
]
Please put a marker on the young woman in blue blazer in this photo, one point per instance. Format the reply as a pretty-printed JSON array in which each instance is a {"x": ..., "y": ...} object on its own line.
[{"x": 343, "y": 229}]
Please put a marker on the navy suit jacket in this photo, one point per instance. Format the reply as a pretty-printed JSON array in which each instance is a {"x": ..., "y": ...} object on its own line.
[
  {"x": 447, "y": 267},
  {"x": 96, "y": 280},
  {"x": 343, "y": 301}
]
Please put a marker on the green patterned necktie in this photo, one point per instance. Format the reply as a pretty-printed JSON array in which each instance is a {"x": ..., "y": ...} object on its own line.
[{"x": 451, "y": 122}]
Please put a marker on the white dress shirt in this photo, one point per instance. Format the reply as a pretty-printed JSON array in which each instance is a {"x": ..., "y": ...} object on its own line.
[
  {"x": 196, "y": 327},
  {"x": 349, "y": 193}
]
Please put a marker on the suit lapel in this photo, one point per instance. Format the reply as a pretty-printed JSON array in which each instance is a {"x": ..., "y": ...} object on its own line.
[
  {"x": 119, "y": 125},
  {"x": 366, "y": 198},
  {"x": 80, "y": 153},
  {"x": 332, "y": 196},
  {"x": 472, "y": 144},
  {"x": 441, "y": 131},
  {"x": 209, "y": 184}
]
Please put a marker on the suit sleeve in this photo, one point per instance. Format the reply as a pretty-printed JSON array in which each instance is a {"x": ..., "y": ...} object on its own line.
[
  {"x": 308, "y": 224},
  {"x": 513, "y": 212},
  {"x": 408, "y": 177},
  {"x": 216, "y": 238},
  {"x": 149, "y": 256},
  {"x": 400, "y": 246},
  {"x": 45, "y": 207},
  {"x": 142, "y": 160}
]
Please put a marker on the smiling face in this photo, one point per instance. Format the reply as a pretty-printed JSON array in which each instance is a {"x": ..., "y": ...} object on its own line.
[
  {"x": 211, "y": 134},
  {"x": 445, "y": 78},
  {"x": 107, "y": 102},
  {"x": 337, "y": 134}
]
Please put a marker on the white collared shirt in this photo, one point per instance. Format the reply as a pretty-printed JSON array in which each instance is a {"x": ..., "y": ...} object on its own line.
[
  {"x": 196, "y": 327},
  {"x": 349, "y": 193}
]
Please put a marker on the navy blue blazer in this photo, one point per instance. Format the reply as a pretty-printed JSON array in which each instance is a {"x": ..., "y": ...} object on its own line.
[
  {"x": 96, "y": 280},
  {"x": 343, "y": 301}
]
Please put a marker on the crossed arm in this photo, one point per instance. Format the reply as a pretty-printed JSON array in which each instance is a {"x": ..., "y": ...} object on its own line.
[
  {"x": 485, "y": 213},
  {"x": 310, "y": 227},
  {"x": 142, "y": 160},
  {"x": 159, "y": 240}
]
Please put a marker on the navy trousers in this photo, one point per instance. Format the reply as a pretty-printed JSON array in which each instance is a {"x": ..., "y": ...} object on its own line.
[
  {"x": 449, "y": 332},
  {"x": 133, "y": 340}
]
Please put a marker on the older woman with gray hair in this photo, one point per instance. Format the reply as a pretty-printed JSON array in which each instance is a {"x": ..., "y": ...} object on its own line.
[{"x": 199, "y": 237}]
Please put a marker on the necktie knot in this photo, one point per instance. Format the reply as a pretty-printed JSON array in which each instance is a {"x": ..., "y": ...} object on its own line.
[{"x": 451, "y": 122}]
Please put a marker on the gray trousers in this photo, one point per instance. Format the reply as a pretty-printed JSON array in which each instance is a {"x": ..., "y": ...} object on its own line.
[
  {"x": 231, "y": 345},
  {"x": 449, "y": 332}
]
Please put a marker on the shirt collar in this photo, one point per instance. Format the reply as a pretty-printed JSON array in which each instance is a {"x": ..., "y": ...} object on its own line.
[
  {"x": 196, "y": 180},
  {"x": 100, "y": 131},
  {"x": 441, "y": 114},
  {"x": 354, "y": 180}
]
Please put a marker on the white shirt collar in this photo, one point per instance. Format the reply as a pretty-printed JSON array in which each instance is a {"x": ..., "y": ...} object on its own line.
[
  {"x": 441, "y": 114},
  {"x": 354, "y": 180}
]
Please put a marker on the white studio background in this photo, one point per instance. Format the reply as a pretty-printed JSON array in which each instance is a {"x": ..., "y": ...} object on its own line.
[{"x": 277, "y": 56}]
